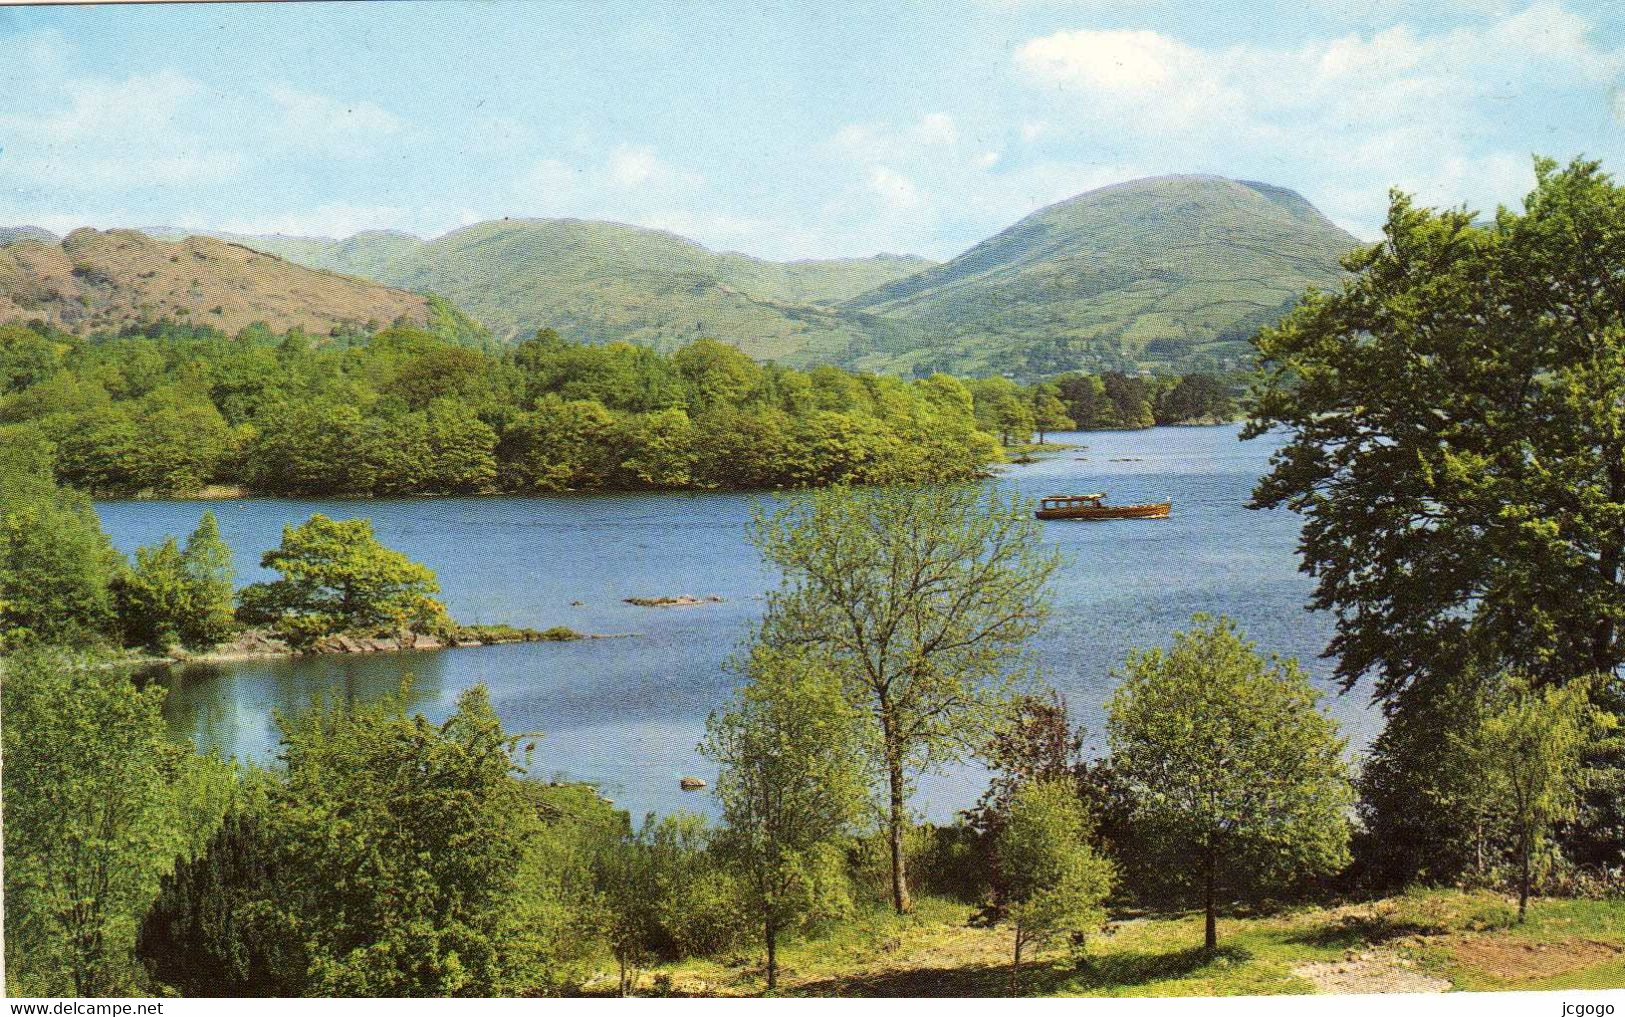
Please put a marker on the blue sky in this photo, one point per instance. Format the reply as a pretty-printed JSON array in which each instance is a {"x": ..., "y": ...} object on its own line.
[{"x": 782, "y": 130}]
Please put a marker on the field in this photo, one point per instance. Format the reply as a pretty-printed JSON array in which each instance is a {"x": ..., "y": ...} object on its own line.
[{"x": 1434, "y": 941}]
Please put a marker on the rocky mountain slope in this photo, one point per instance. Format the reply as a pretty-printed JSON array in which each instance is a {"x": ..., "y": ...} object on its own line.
[{"x": 101, "y": 280}]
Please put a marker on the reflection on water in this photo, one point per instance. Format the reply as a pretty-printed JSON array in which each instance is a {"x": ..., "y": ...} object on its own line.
[{"x": 627, "y": 713}]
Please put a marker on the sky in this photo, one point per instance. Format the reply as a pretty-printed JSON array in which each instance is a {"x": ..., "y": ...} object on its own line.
[{"x": 782, "y": 130}]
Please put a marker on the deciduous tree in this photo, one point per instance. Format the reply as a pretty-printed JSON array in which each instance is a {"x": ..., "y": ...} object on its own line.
[
  {"x": 791, "y": 782},
  {"x": 920, "y": 601},
  {"x": 1053, "y": 882},
  {"x": 1227, "y": 756}
]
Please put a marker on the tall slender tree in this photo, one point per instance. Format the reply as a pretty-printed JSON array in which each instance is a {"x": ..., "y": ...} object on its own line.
[
  {"x": 1527, "y": 753},
  {"x": 920, "y": 600},
  {"x": 792, "y": 782}
]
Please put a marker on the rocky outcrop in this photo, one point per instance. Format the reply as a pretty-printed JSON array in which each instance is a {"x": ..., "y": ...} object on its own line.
[
  {"x": 682, "y": 600},
  {"x": 259, "y": 642}
]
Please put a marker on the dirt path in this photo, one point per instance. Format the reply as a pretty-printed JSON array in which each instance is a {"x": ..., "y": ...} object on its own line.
[{"x": 1369, "y": 971}]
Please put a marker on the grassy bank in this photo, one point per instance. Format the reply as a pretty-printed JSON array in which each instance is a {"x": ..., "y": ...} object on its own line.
[{"x": 1426, "y": 941}]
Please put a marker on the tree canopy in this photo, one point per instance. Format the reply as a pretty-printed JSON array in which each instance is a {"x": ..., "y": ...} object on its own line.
[
  {"x": 920, "y": 600},
  {"x": 337, "y": 577},
  {"x": 1227, "y": 757},
  {"x": 1456, "y": 438}
]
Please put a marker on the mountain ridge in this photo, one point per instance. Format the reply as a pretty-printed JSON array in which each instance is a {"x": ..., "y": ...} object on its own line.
[
  {"x": 1179, "y": 267},
  {"x": 95, "y": 279},
  {"x": 1172, "y": 272}
]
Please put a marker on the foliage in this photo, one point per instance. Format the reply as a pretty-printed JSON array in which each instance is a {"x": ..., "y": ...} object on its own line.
[
  {"x": 1034, "y": 743},
  {"x": 1419, "y": 821},
  {"x": 1456, "y": 445},
  {"x": 179, "y": 595},
  {"x": 98, "y": 802},
  {"x": 167, "y": 408},
  {"x": 57, "y": 567},
  {"x": 1053, "y": 883},
  {"x": 1226, "y": 756},
  {"x": 391, "y": 858},
  {"x": 791, "y": 783},
  {"x": 337, "y": 577},
  {"x": 919, "y": 601},
  {"x": 1526, "y": 756}
]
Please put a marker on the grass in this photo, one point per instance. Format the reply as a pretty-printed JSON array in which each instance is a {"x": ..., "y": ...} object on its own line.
[
  {"x": 1032, "y": 451},
  {"x": 1461, "y": 941}
]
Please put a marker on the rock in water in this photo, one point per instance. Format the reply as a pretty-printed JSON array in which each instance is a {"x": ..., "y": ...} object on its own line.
[{"x": 691, "y": 783}]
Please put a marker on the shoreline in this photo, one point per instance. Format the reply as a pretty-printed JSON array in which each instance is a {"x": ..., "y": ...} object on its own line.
[{"x": 261, "y": 644}]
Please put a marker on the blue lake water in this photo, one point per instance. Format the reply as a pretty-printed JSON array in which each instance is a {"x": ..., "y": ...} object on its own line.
[{"x": 627, "y": 713}]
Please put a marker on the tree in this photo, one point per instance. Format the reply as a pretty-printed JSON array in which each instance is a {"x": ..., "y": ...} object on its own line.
[
  {"x": 1036, "y": 743},
  {"x": 387, "y": 860},
  {"x": 1194, "y": 397},
  {"x": 173, "y": 595},
  {"x": 206, "y": 562},
  {"x": 1049, "y": 412},
  {"x": 1456, "y": 422},
  {"x": 1001, "y": 409},
  {"x": 627, "y": 876},
  {"x": 1130, "y": 399},
  {"x": 57, "y": 567},
  {"x": 919, "y": 600},
  {"x": 1527, "y": 753},
  {"x": 1054, "y": 883},
  {"x": 337, "y": 577},
  {"x": 91, "y": 820},
  {"x": 791, "y": 782},
  {"x": 1227, "y": 756},
  {"x": 151, "y": 597}
]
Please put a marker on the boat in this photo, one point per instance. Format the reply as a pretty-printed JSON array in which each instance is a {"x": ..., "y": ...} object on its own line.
[{"x": 1093, "y": 506}]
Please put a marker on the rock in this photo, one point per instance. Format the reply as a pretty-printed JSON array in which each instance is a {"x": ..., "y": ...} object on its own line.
[
  {"x": 682, "y": 600},
  {"x": 691, "y": 783}
]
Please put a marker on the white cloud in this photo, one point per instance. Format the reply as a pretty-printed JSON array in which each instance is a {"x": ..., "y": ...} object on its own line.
[
  {"x": 336, "y": 220},
  {"x": 350, "y": 129},
  {"x": 634, "y": 166},
  {"x": 893, "y": 188},
  {"x": 102, "y": 134},
  {"x": 937, "y": 129},
  {"x": 630, "y": 183},
  {"x": 1347, "y": 115}
]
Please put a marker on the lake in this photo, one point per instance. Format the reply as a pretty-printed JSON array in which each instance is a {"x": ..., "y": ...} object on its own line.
[{"x": 626, "y": 714}]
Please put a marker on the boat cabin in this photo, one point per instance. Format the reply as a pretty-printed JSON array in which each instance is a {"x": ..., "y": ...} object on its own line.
[{"x": 1066, "y": 501}]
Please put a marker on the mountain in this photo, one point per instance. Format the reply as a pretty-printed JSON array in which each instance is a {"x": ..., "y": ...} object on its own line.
[
  {"x": 11, "y": 234},
  {"x": 1170, "y": 273},
  {"x": 1176, "y": 271},
  {"x": 599, "y": 282},
  {"x": 91, "y": 280}
]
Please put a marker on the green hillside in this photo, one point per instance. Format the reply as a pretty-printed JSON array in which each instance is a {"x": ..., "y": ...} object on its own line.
[
  {"x": 598, "y": 282},
  {"x": 1167, "y": 273},
  {"x": 1176, "y": 271}
]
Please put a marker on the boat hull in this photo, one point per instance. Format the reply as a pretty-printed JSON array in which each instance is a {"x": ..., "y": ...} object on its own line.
[{"x": 1158, "y": 510}]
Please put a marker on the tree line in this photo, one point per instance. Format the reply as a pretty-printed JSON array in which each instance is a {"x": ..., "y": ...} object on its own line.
[
  {"x": 164, "y": 409},
  {"x": 1105, "y": 402},
  {"x": 174, "y": 408}
]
